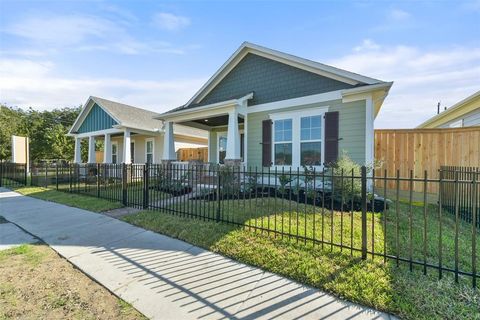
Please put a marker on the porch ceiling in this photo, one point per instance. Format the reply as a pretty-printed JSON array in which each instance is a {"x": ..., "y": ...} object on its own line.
[{"x": 216, "y": 121}]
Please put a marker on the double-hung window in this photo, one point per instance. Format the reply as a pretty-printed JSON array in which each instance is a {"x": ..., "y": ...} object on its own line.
[
  {"x": 283, "y": 142},
  {"x": 298, "y": 138},
  {"x": 114, "y": 152},
  {"x": 149, "y": 150},
  {"x": 311, "y": 141}
]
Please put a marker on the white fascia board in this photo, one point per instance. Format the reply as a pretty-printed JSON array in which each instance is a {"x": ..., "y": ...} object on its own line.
[
  {"x": 379, "y": 86},
  {"x": 295, "y": 102},
  {"x": 95, "y": 133},
  {"x": 137, "y": 130}
]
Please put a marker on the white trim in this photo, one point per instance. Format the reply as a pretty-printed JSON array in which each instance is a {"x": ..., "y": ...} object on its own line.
[
  {"x": 14, "y": 147},
  {"x": 308, "y": 65},
  {"x": 296, "y": 137},
  {"x": 96, "y": 133},
  {"x": 153, "y": 149}
]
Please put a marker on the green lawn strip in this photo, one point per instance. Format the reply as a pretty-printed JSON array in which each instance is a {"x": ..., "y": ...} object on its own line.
[
  {"x": 410, "y": 295},
  {"x": 73, "y": 200}
]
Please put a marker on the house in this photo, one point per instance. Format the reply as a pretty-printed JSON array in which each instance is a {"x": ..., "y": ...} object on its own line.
[
  {"x": 268, "y": 108},
  {"x": 465, "y": 113},
  {"x": 130, "y": 134}
]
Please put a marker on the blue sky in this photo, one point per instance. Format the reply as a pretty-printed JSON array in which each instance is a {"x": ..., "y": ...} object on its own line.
[{"x": 156, "y": 54}]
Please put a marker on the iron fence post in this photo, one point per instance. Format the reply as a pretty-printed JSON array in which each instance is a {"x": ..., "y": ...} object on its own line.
[
  {"x": 98, "y": 180},
  {"x": 56, "y": 176},
  {"x": 145, "y": 185},
  {"x": 124, "y": 184},
  {"x": 218, "y": 196},
  {"x": 364, "y": 212},
  {"x": 26, "y": 174},
  {"x": 46, "y": 175},
  {"x": 70, "y": 177},
  {"x": 1, "y": 173}
]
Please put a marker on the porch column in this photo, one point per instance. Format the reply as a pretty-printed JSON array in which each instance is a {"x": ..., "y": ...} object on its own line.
[
  {"x": 126, "y": 147},
  {"x": 233, "y": 137},
  {"x": 107, "y": 149},
  {"x": 91, "y": 149},
  {"x": 77, "y": 158},
  {"x": 169, "y": 142}
]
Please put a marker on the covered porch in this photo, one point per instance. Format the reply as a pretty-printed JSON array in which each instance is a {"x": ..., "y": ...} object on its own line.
[{"x": 225, "y": 122}]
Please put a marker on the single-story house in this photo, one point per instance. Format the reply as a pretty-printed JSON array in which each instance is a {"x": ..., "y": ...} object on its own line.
[
  {"x": 465, "y": 113},
  {"x": 130, "y": 134},
  {"x": 261, "y": 108},
  {"x": 268, "y": 108}
]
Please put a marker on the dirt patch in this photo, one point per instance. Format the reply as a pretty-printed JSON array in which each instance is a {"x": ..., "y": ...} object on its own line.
[{"x": 36, "y": 283}]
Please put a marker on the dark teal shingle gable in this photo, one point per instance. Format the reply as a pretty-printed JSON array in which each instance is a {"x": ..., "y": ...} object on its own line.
[
  {"x": 270, "y": 81},
  {"x": 97, "y": 119}
]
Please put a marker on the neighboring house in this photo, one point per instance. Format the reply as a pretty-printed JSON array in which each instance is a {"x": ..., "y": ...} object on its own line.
[
  {"x": 130, "y": 134},
  {"x": 465, "y": 113},
  {"x": 267, "y": 108}
]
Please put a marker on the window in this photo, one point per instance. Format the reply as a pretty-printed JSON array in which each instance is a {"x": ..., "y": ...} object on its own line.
[
  {"x": 283, "y": 142},
  {"x": 149, "y": 151},
  {"x": 132, "y": 151},
  {"x": 298, "y": 138},
  {"x": 114, "y": 153},
  {"x": 311, "y": 141}
]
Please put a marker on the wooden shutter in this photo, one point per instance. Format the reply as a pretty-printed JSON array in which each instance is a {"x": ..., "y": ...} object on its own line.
[
  {"x": 331, "y": 137},
  {"x": 267, "y": 143}
]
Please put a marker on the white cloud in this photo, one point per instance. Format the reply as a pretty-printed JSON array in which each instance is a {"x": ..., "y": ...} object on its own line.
[
  {"x": 57, "y": 33},
  {"x": 421, "y": 78},
  {"x": 169, "y": 21},
  {"x": 27, "y": 83},
  {"x": 398, "y": 15}
]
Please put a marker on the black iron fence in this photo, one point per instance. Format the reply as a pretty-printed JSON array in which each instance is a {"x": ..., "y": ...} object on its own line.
[
  {"x": 337, "y": 210},
  {"x": 13, "y": 175}
]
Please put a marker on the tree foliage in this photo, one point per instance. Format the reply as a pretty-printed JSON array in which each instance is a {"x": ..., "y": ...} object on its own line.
[{"x": 46, "y": 130}]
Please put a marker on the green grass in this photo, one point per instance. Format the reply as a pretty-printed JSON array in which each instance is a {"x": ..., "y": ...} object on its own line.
[
  {"x": 73, "y": 200},
  {"x": 384, "y": 286},
  {"x": 32, "y": 257}
]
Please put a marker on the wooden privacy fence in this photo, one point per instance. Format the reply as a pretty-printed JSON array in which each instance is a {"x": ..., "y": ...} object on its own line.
[
  {"x": 188, "y": 154},
  {"x": 425, "y": 151}
]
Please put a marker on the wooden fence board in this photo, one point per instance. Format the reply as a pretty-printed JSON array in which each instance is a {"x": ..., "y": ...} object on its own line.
[{"x": 425, "y": 149}]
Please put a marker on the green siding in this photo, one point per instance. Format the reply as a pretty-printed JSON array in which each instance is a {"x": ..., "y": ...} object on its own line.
[
  {"x": 97, "y": 119},
  {"x": 351, "y": 129},
  {"x": 270, "y": 81}
]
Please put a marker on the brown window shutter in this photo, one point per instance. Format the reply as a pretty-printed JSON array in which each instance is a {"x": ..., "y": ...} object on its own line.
[
  {"x": 267, "y": 143},
  {"x": 331, "y": 137}
]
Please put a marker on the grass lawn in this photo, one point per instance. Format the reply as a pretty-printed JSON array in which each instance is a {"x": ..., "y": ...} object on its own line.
[
  {"x": 36, "y": 283},
  {"x": 69, "y": 199},
  {"x": 410, "y": 295}
]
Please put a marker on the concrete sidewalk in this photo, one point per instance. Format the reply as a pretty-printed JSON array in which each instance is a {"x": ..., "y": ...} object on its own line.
[{"x": 165, "y": 278}]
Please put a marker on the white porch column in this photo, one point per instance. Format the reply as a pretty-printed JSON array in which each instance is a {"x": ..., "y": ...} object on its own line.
[
  {"x": 91, "y": 149},
  {"x": 169, "y": 142},
  {"x": 77, "y": 158},
  {"x": 107, "y": 149},
  {"x": 126, "y": 147},
  {"x": 233, "y": 137}
]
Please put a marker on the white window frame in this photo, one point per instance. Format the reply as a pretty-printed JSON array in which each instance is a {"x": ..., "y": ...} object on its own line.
[
  {"x": 114, "y": 143},
  {"x": 274, "y": 143},
  {"x": 153, "y": 149},
  {"x": 321, "y": 140},
  {"x": 296, "y": 127}
]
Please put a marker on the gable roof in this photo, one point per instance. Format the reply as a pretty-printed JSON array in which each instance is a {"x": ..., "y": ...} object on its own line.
[
  {"x": 125, "y": 115},
  {"x": 455, "y": 111},
  {"x": 348, "y": 77}
]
